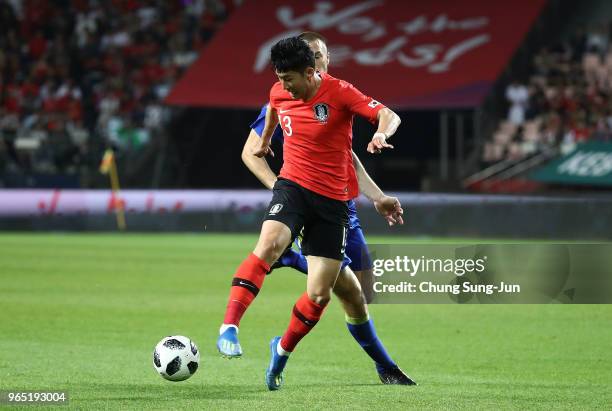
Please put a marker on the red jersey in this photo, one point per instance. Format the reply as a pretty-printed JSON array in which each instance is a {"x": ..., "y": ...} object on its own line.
[{"x": 319, "y": 133}]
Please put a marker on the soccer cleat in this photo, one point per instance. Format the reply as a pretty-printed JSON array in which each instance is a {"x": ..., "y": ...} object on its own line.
[
  {"x": 274, "y": 373},
  {"x": 394, "y": 376},
  {"x": 228, "y": 344}
]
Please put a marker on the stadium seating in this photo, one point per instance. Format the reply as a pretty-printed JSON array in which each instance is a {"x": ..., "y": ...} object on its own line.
[
  {"x": 78, "y": 76},
  {"x": 568, "y": 87}
]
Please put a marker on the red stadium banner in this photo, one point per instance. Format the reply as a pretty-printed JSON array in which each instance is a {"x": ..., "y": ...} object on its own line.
[{"x": 433, "y": 54}]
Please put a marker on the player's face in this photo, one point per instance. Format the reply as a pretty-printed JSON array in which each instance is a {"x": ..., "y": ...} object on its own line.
[
  {"x": 296, "y": 83},
  {"x": 321, "y": 55}
]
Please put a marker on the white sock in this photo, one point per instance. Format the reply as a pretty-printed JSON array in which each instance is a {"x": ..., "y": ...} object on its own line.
[
  {"x": 280, "y": 351},
  {"x": 224, "y": 327}
]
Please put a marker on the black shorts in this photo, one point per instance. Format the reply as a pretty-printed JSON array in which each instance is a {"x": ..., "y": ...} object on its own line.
[{"x": 324, "y": 220}]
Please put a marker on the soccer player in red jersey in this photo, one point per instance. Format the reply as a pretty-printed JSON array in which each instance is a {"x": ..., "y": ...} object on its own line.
[
  {"x": 316, "y": 112},
  {"x": 356, "y": 266}
]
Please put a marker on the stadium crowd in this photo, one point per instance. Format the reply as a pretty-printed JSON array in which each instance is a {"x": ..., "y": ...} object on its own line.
[
  {"x": 566, "y": 100},
  {"x": 77, "y": 76}
]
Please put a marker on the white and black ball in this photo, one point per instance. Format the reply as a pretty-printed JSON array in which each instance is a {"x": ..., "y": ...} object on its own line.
[{"x": 176, "y": 358}]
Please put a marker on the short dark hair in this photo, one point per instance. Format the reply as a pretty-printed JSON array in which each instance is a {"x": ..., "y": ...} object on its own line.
[
  {"x": 311, "y": 36},
  {"x": 292, "y": 54}
]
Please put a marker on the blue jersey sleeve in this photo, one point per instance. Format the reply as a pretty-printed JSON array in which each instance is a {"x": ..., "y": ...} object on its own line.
[{"x": 258, "y": 125}]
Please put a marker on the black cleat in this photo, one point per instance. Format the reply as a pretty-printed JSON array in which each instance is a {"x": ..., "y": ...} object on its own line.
[{"x": 394, "y": 376}]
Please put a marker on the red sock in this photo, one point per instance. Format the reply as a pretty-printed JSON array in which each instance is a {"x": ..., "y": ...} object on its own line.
[
  {"x": 245, "y": 285},
  {"x": 306, "y": 313}
]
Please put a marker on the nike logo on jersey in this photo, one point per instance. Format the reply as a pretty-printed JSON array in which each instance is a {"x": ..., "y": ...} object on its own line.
[{"x": 283, "y": 111}]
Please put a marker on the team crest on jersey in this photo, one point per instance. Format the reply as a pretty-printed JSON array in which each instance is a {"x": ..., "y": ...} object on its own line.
[{"x": 321, "y": 112}]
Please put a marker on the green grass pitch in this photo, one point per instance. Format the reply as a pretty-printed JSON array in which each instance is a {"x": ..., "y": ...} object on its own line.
[{"x": 82, "y": 312}]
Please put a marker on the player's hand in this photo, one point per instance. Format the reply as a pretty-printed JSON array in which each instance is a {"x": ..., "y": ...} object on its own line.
[
  {"x": 263, "y": 150},
  {"x": 391, "y": 209},
  {"x": 379, "y": 141}
]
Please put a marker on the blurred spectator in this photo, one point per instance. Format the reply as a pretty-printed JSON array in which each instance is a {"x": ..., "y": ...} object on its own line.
[
  {"x": 518, "y": 96},
  {"x": 597, "y": 39},
  {"x": 78, "y": 75},
  {"x": 9, "y": 124},
  {"x": 568, "y": 99},
  {"x": 537, "y": 104}
]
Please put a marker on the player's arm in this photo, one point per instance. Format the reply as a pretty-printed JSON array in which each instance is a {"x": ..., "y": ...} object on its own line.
[
  {"x": 388, "y": 122},
  {"x": 263, "y": 147},
  {"x": 257, "y": 165},
  {"x": 373, "y": 111},
  {"x": 387, "y": 206}
]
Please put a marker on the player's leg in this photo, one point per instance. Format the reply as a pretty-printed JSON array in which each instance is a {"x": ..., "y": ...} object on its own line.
[
  {"x": 361, "y": 327},
  {"x": 249, "y": 277},
  {"x": 324, "y": 243},
  {"x": 361, "y": 262},
  {"x": 322, "y": 274},
  {"x": 274, "y": 238},
  {"x": 358, "y": 252},
  {"x": 354, "y": 291},
  {"x": 349, "y": 293},
  {"x": 292, "y": 258},
  {"x": 277, "y": 232},
  {"x": 247, "y": 281}
]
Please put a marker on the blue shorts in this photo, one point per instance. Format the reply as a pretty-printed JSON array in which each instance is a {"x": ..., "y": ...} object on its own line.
[{"x": 356, "y": 246}]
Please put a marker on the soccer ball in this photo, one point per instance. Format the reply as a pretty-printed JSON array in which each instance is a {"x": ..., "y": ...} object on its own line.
[{"x": 176, "y": 358}]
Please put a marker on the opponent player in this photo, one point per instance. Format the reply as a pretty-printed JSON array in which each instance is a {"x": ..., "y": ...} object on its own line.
[{"x": 308, "y": 195}]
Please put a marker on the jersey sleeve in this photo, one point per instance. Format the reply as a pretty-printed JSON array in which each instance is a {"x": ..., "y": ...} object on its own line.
[
  {"x": 259, "y": 124},
  {"x": 358, "y": 103}
]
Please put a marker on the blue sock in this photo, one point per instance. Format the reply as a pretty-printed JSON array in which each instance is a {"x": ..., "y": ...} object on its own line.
[
  {"x": 295, "y": 260},
  {"x": 364, "y": 333}
]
